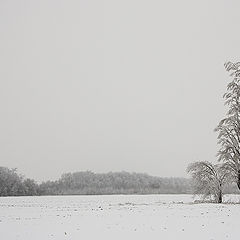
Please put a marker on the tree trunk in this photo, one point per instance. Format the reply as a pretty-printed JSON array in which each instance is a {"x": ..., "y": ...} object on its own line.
[
  {"x": 220, "y": 193},
  {"x": 220, "y": 197},
  {"x": 238, "y": 179}
]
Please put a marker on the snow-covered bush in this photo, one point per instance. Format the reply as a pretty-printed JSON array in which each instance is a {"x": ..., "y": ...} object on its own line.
[{"x": 208, "y": 179}]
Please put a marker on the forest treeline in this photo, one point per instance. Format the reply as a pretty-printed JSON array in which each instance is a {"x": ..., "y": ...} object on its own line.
[
  {"x": 14, "y": 184},
  {"x": 89, "y": 183},
  {"x": 115, "y": 183}
]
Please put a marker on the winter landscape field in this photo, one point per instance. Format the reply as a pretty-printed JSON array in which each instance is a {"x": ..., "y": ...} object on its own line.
[{"x": 118, "y": 217}]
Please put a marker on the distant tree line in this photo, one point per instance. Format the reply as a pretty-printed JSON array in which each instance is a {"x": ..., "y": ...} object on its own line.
[
  {"x": 14, "y": 184},
  {"x": 114, "y": 183},
  {"x": 86, "y": 183}
]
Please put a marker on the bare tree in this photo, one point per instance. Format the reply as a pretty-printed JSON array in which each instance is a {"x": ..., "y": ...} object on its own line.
[
  {"x": 229, "y": 127},
  {"x": 209, "y": 179}
]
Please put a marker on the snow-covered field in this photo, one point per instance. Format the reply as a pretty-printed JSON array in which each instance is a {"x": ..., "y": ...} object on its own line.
[{"x": 117, "y": 217}]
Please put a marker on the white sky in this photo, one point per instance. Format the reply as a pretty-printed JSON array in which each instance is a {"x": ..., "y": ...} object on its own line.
[{"x": 113, "y": 85}]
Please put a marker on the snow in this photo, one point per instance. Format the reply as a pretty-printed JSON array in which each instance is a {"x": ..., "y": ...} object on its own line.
[{"x": 117, "y": 217}]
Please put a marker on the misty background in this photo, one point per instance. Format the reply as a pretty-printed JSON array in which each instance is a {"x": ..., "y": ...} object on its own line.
[{"x": 113, "y": 85}]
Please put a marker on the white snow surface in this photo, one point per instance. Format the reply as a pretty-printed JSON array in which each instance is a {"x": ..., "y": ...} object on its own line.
[{"x": 118, "y": 217}]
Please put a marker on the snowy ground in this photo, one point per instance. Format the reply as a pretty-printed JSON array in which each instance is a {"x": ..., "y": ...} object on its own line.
[{"x": 117, "y": 217}]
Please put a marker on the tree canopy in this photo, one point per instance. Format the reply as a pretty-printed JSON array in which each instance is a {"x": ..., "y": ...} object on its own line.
[{"x": 229, "y": 128}]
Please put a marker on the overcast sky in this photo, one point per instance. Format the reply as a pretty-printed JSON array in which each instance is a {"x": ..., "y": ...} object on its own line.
[{"x": 113, "y": 85}]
